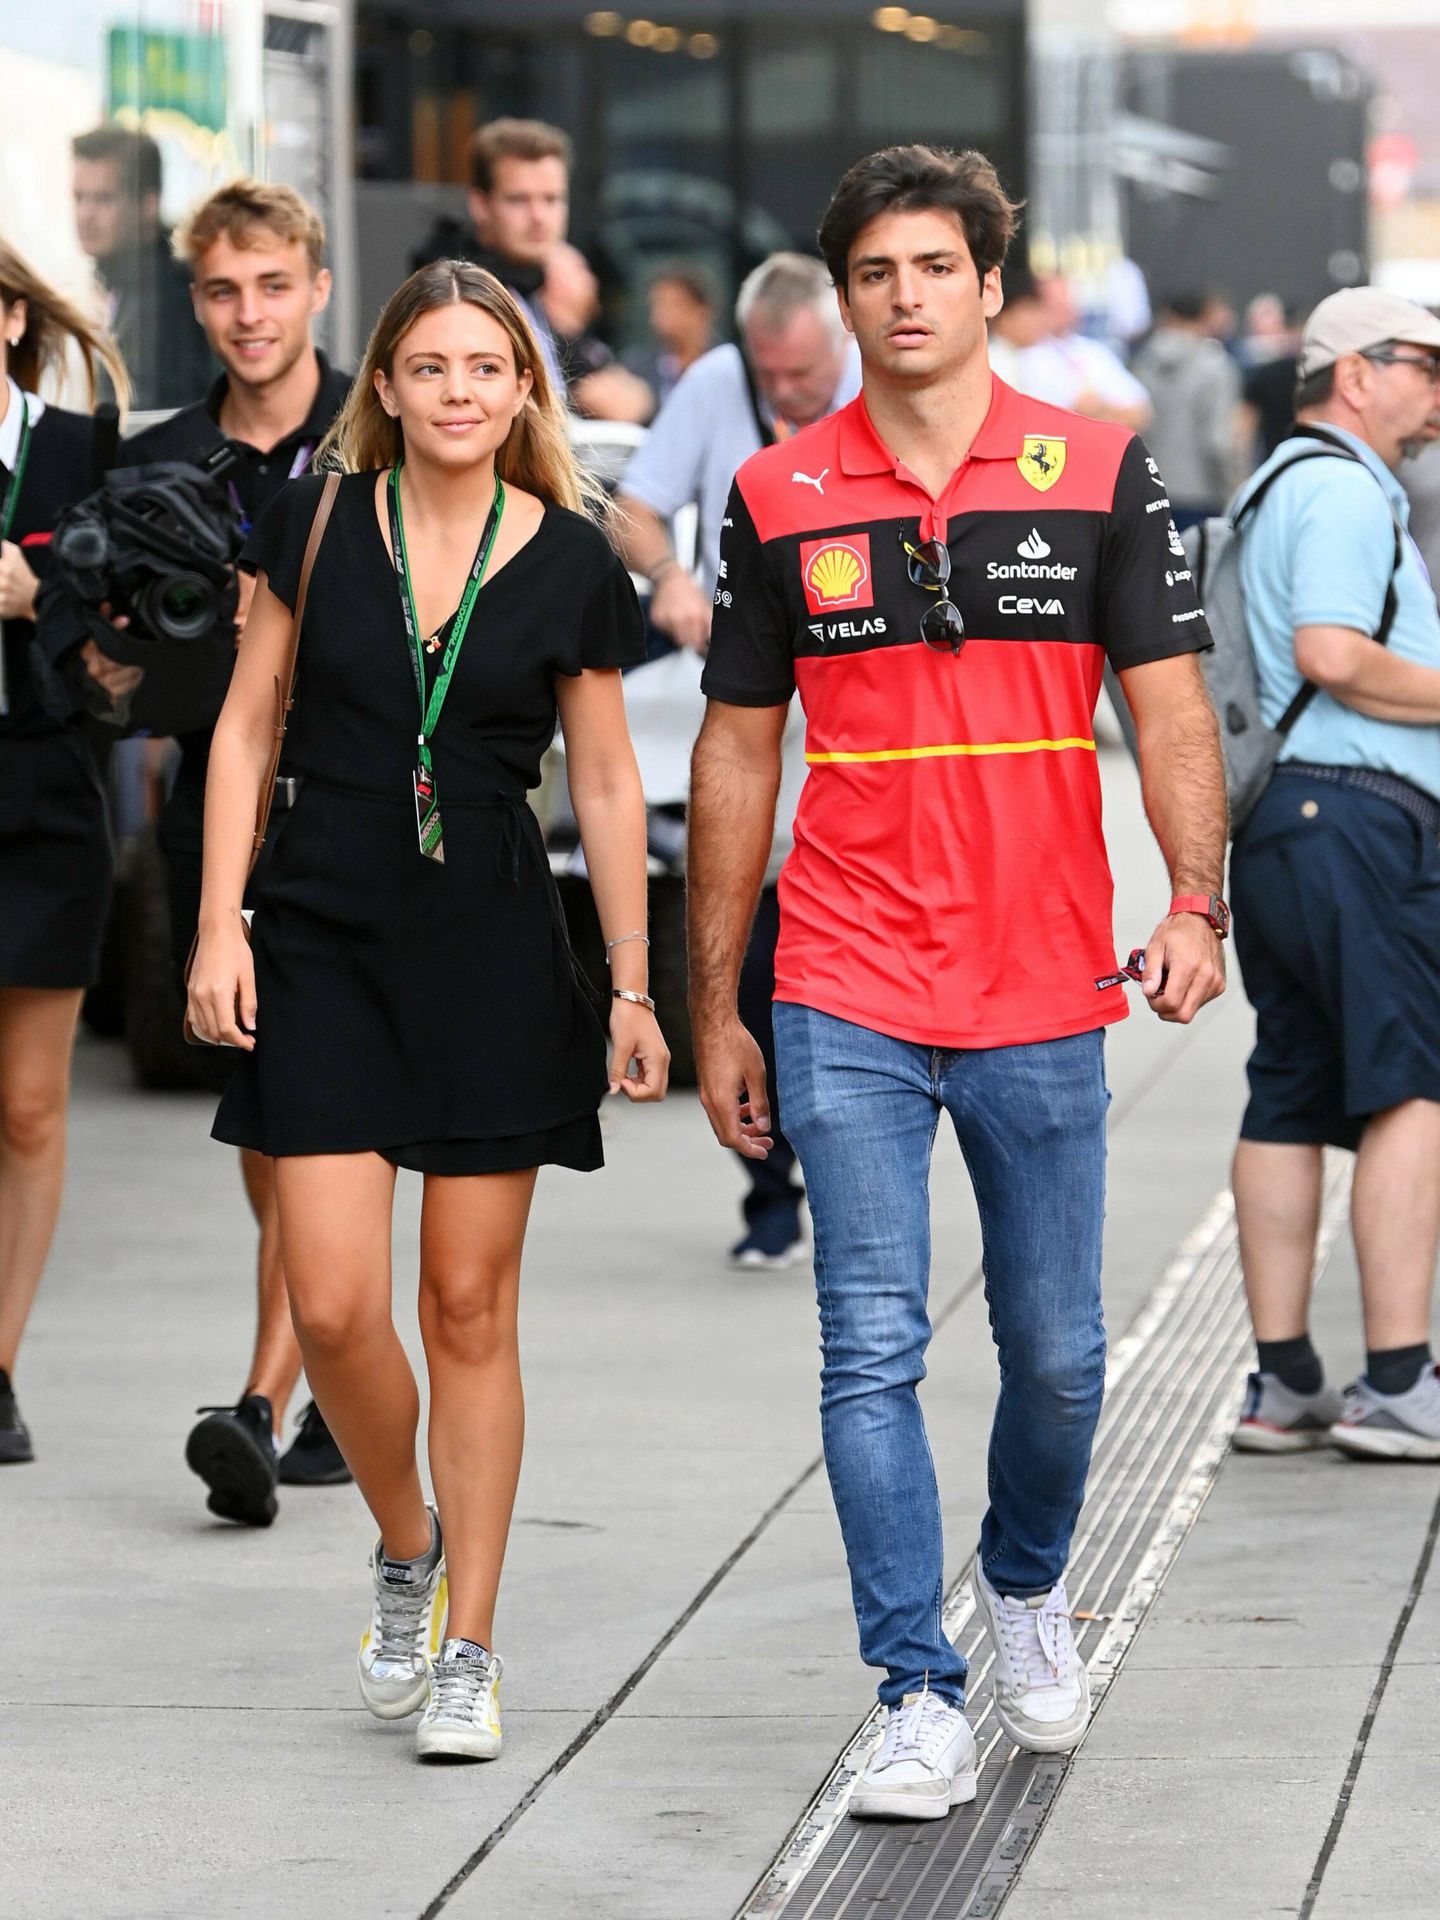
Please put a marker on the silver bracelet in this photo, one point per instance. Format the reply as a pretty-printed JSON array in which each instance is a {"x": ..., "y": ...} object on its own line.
[
  {"x": 640, "y": 999},
  {"x": 624, "y": 937}
]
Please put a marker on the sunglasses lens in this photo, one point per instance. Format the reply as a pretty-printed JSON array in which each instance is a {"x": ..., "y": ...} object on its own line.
[
  {"x": 942, "y": 627},
  {"x": 929, "y": 563}
]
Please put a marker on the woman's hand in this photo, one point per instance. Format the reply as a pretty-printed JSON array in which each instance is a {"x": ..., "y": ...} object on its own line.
[
  {"x": 222, "y": 985},
  {"x": 636, "y": 1040},
  {"x": 18, "y": 584}
]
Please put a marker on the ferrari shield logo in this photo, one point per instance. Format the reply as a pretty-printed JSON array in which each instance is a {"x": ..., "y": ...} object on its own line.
[{"x": 1042, "y": 460}]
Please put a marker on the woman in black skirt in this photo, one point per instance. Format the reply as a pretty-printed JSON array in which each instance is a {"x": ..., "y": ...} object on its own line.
[
  {"x": 410, "y": 999},
  {"x": 54, "y": 836}
]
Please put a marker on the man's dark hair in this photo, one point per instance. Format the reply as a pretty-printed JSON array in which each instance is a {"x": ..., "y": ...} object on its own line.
[
  {"x": 1187, "y": 303},
  {"x": 909, "y": 179},
  {"x": 514, "y": 140},
  {"x": 134, "y": 156},
  {"x": 1315, "y": 389},
  {"x": 697, "y": 281}
]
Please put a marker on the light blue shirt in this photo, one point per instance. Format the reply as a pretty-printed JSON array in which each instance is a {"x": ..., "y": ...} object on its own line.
[
  {"x": 704, "y": 432},
  {"x": 1318, "y": 553}
]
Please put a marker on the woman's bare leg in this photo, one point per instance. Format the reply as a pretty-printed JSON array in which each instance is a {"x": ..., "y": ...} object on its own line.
[
  {"x": 275, "y": 1367},
  {"x": 335, "y": 1213},
  {"x": 37, "y": 1039},
  {"x": 471, "y": 1234}
]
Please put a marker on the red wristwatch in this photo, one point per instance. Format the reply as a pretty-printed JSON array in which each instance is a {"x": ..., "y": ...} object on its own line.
[{"x": 1209, "y": 905}]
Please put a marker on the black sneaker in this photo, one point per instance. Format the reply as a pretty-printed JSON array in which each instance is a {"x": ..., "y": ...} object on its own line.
[
  {"x": 772, "y": 1242},
  {"x": 14, "y": 1434},
  {"x": 312, "y": 1458},
  {"x": 233, "y": 1451}
]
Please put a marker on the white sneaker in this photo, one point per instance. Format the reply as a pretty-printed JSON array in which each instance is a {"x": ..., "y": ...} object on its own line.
[
  {"x": 406, "y": 1622},
  {"x": 1041, "y": 1688},
  {"x": 925, "y": 1763},
  {"x": 462, "y": 1721},
  {"x": 1391, "y": 1426}
]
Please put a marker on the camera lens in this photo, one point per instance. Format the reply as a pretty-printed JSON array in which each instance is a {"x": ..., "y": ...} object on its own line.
[{"x": 181, "y": 606}]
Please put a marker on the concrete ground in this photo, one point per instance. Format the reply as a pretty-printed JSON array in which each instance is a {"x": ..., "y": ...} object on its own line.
[{"x": 179, "y": 1730}]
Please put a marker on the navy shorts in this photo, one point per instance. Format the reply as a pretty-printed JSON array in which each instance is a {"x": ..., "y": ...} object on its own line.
[{"x": 1336, "y": 895}]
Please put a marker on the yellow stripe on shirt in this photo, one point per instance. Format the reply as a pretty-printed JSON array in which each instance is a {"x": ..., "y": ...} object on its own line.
[{"x": 966, "y": 748}]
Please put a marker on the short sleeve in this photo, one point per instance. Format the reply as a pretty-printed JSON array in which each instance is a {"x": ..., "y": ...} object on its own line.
[
  {"x": 664, "y": 474},
  {"x": 612, "y": 630},
  {"x": 1149, "y": 609},
  {"x": 276, "y": 543},
  {"x": 751, "y": 662}
]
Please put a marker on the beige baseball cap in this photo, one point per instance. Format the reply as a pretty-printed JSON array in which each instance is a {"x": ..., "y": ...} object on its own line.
[{"x": 1357, "y": 319}]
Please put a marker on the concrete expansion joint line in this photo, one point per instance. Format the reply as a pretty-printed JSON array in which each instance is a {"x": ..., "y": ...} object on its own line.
[{"x": 1372, "y": 1710}]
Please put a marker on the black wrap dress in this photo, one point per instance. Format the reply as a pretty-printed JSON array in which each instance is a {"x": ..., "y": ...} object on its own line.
[{"x": 428, "y": 1012}]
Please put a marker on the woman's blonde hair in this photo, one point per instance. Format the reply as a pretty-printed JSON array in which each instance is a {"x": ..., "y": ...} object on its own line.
[
  {"x": 51, "y": 323},
  {"x": 535, "y": 455}
]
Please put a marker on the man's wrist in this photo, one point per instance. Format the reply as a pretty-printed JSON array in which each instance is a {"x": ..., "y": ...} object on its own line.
[{"x": 665, "y": 564}]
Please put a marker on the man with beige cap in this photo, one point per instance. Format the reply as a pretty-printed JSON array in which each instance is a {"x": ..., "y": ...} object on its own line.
[{"x": 1335, "y": 886}]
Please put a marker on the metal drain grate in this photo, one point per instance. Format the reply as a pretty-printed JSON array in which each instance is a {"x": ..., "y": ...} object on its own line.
[{"x": 1170, "y": 1404}]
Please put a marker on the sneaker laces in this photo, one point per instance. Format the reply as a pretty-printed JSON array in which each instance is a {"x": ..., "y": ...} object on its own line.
[
  {"x": 917, "y": 1729},
  {"x": 1038, "y": 1642},
  {"x": 400, "y": 1611},
  {"x": 456, "y": 1687}
]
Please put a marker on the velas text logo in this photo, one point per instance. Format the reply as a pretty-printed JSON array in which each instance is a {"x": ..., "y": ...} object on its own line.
[{"x": 836, "y": 573}]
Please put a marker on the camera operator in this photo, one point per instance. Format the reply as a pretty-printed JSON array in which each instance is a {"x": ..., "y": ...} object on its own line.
[
  {"x": 255, "y": 253},
  {"x": 55, "y": 862}
]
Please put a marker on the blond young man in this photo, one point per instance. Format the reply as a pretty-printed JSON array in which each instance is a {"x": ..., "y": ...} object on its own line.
[{"x": 258, "y": 281}]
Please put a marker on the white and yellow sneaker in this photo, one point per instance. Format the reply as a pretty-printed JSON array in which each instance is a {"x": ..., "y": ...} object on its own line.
[
  {"x": 406, "y": 1624},
  {"x": 462, "y": 1721}
]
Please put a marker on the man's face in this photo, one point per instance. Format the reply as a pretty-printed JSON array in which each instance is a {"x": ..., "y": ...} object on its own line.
[
  {"x": 256, "y": 304},
  {"x": 1024, "y": 322},
  {"x": 913, "y": 299},
  {"x": 526, "y": 211},
  {"x": 107, "y": 218},
  {"x": 797, "y": 366},
  {"x": 1400, "y": 400},
  {"x": 675, "y": 315}
]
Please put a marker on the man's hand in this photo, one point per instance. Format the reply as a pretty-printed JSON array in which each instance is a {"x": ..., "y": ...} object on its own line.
[
  {"x": 733, "y": 1091},
  {"x": 679, "y": 607},
  {"x": 18, "y": 584},
  {"x": 113, "y": 675},
  {"x": 1184, "y": 967}
]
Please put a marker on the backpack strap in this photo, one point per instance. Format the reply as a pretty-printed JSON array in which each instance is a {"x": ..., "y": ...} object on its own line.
[
  {"x": 1330, "y": 449},
  {"x": 752, "y": 394}
]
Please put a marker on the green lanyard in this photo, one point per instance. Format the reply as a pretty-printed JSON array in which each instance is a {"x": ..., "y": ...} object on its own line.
[
  {"x": 427, "y": 801},
  {"x": 12, "y": 491}
]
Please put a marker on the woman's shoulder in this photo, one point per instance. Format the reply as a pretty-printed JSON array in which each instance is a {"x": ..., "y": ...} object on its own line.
[
  {"x": 584, "y": 539},
  {"x": 60, "y": 427}
]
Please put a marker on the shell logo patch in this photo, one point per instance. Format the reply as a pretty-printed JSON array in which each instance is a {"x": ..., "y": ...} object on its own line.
[
  {"x": 836, "y": 573},
  {"x": 1042, "y": 460}
]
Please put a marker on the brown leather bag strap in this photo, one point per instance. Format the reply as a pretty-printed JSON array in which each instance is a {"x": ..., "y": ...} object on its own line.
[{"x": 285, "y": 690}]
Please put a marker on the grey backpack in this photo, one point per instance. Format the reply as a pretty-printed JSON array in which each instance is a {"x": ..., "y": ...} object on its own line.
[{"x": 1212, "y": 550}]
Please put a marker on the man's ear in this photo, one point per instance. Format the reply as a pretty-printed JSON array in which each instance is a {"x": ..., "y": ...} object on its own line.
[
  {"x": 992, "y": 298},
  {"x": 844, "y": 305},
  {"x": 320, "y": 296},
  {"x": 479, "y": 205}
]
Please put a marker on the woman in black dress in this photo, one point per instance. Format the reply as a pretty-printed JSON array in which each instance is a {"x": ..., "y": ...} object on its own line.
[
  {"x": 409, "y": 999},
  {"x": 54, "y": 836}
]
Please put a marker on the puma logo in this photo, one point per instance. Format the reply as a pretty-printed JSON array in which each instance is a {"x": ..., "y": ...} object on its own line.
[{"x": 810, "y": 480}]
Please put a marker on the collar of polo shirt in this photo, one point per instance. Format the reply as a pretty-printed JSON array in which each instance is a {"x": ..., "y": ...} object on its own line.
[{"x": 1001, "y": 437}]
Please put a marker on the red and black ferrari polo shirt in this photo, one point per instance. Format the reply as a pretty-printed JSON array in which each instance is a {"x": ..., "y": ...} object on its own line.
[{"x": 949, "y": 883}]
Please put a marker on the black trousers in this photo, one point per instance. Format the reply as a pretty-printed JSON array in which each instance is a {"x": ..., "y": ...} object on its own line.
[{"x": 772, "y": 1181}]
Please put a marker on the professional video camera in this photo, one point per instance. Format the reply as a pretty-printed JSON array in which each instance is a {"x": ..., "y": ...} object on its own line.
[{"x": 157, "y": 546}]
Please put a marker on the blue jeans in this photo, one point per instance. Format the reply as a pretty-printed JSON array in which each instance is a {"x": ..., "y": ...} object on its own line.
[{"x": 862, "y": 1110}]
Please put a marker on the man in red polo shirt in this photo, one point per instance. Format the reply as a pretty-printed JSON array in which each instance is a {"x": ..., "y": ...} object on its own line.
[{"x": 942, "y": 569}]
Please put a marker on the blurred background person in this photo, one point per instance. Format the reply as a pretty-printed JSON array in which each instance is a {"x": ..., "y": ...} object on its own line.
[
  {"x": 1022, "y": 322},
  {"x": 1194, "y": 389},
  {"x": 604, "y": 389},
  {"x": 519, "y": 208},
  {"x": 256, "y": 256},
  {"x": 795, "y": 364},
  {"x": 1270, "y": 357},
  {"x": 1069, "y": 369},
  {"x": 117, "y": 186},
  {"x": 55, "y": 857},
  {"x": 682, "y": 302}
]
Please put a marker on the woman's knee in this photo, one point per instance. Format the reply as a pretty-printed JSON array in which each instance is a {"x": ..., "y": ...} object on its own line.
[
  {"x": 470, "y": 1316},
  {"x": 327, "y": 1321},
  {"x": 32, "y": 1119}
]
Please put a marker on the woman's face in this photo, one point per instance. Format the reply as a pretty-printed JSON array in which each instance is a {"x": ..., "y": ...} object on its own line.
[{"x": 453, "y": 386}]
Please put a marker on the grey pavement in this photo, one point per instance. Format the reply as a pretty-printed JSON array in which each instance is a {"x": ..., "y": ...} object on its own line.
[{"x": 179, "y": 1730}]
